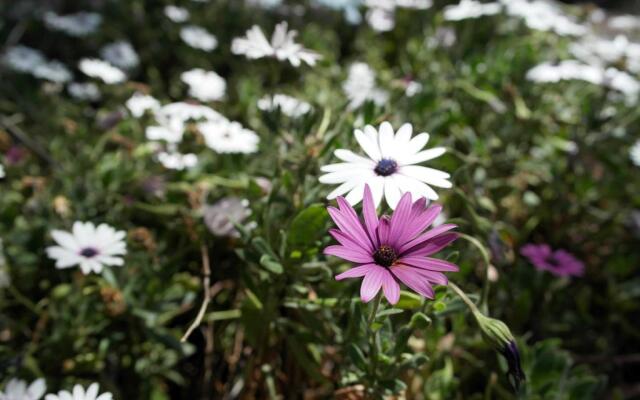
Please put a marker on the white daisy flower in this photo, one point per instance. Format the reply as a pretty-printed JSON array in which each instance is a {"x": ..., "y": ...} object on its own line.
[
  {"x": 88, "y": 246},
  {"x": 176, "y": 160},
  {"x": 79, "y": 393},
  {"x": 360, "y": 86},
  {"x": 198, "y": 38},
  {"x": 226, "y": 136},
  {"x": 84, "y": 91},
  {"x": 188, "y": 112},
  {"x": 544, "y": 16},
  {"x": 467, "y": 9},
  {"x": 23, "y": 59},
  {"x": 566, "y": 70},
  {"x": 389, "y": 168},
  {"x": 412, "y": 88},
  {"x": 634, "y": 153},
  {"x": 204, "y": 85},
  {"x": 100, "y": 69},
  {"x": 17, "y": 389},
  {"x": 176, "y": 14},
  {"x": 53, "y": 71},
  {"x": 170, "y": 130},
  {"x": 289, "y": 106},
  {"x": 282, "y": 46},
  {"x": 139, "y": 103},
  {"x": 79, "y": 24},
  {"x": 121, "y": 54}
]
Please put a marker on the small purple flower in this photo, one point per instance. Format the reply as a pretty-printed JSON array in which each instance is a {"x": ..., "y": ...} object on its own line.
[
  {"x": 14, "y": 155},
  {"x": 392, "y": 249},
  {"x": 559, "y": 262}
]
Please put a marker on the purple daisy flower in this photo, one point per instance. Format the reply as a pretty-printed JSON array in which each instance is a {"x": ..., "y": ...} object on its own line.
[
  {"x": 559, "y": 262},
  {"x": 391, "y": 249}
]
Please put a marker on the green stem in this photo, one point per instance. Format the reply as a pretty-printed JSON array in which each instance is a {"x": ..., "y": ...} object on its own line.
[
  {"x": 487, "y": 260},
  {"x": 373, "y": 343},
  {"x": 464, "y": 298},
  {"x": 374, "y": 311}
]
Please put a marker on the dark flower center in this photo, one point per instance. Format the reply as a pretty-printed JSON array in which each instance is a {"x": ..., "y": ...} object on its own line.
[
  {"x": 386, "y": 167},
  {"x": 385, "y": 256},
  {"x": 551, "y": 260},
  {"x": 89, "y": 252}
]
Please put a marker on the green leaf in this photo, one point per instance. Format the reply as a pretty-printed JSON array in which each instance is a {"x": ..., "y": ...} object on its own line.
[
  {"x": 308, "y": 226},
  {"x": 271, "y": 265},
  {"x": 409, "y": 300}
]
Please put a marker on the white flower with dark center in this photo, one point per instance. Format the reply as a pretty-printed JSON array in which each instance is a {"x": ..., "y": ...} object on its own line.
[
  {"x": 79, "y": 393},
  {"x": 360, "y": 86},
  {"x": 100, "y": 69},
  {"x": 176, "y": 160},
  {"x": 176, "y": 14},
  {"x": 634, "y": 153},
  {"x": 139, "y": 103},
  {"x": 84, "y": 91},
  {"x": 88, "y": 246},
  {"x": 23, "y": 59},
  {"x": 204, "y": 85},
  {"x": 53, "y": 71},
  {"x": 198, "y": 38},
  {"x": 121, "y": 54},
  {"x": 289, "y": 106},
  {"x": 544, "y": 16},
  {"x": 226, "y": 136},
  {"x": 282, "y": 46},
  {"x": 221, "y": 216},
  {"x": 79, "y": 24},
  {"x": 17, "y": 389},
  {"x": 468, "y": 9},
  {"x": 389, "y": 168}
]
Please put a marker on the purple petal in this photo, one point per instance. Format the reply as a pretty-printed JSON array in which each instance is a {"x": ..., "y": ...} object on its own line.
[
  {"x": 410, "y": 277},
  {"x": 356, "y": 272},
  {"x": 383, "y": 230},
  {"x": 432, "y": 264},
  {"x": 431, "y": 247},
  {"x": 370, "y": 217},
  {"x": 390, "y": 288},
  {"x": 352, "y": 227},
  {"x": 349, "y": 254},
  {"x": 426, "y": 237},
  {"x": 422, "y": 220},
  {"x": 400, "y": 220},
  {"x": 371, "y": 283},
  {"x": 345, "y": 239}
]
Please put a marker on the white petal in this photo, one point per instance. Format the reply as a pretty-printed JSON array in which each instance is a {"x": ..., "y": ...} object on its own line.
[
  {"x": 391, "y": 192},
  {"x": 368, "y": 144},
  {"x": 64, "y": 258},
  {"x": 106, "y": 260},
  {"x": 37, "y": 389},
  {"x": 377, "y": 189},
  {"x": 387, "y": 142},
  {"x": 423, "y": 173},
  {"x": 417, "y": 143},
  {"x": 340, "y": 176},
  {"x": 65, "y": 239},
  {"x": 403, "y": 136},
  {"x": 422, "y": 156},
  {"x": 415, "y": 187},
  {"x": 343, "y": 188},
  {"x": 343, "y": 167},
  {"x": 355, "y": 196},
  {"x": 351, "y": 157}
]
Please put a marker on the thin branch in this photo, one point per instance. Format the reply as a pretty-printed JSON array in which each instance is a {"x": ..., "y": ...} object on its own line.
[
  {"x": 22, "y": 137},
  {"x": 206, "y": 284}
]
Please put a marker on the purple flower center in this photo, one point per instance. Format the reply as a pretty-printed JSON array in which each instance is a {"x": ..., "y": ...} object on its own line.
[
  {"x": 385, "y": 256},
  {"x": 89, "y": 252},
  {"x": 386, "y": 167}
]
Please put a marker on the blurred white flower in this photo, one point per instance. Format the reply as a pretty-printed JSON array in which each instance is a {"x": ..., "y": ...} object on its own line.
[
  {"x": 221, "y": 216},
  {"x": 289, "y": 106},
  {"x": 204, "y": 85},
  {"x": 264, "y": 3},
  {"x": 622, "y": 82},
  {"x": 596, "y": 50},
  {"x": 349, "y": 7},
  {"x": 381, "y": 14},
  {"x": 139, "y": 103},
  {"x": 634, "y": 153},
  {"x": 467, "y": 9},
  {"x": 360, "y": 86},
  {"x": 79, "y": 24},
  {"x": 544, "y": 16},
  {"x": 176, "y": 14},
  {"x": 17, "y": 389},
  {"x": 198, "y": 38},
  {"x": 188, "y": 112},
  {"x": 224, "y": 136},
  {"x": 2, "y": 174},
  {"x": 121, "y": 54},
  {"x": 88, "y": 246},
  {"x": 625, "y": 22},
  {"x": 412, "y": 88},
  {"x": 283, "y": 46},
  {"x": 79, "y": 393},
  {"x": 389, "y": 168},
  {"x": 23, "y": 59},
  {"x": 84, "y": 91},
  {"x": 177, "y": 161},
  {"x": 100, "y": 69},
  {"x": 53, "y": 71},
  {"x": 170, "y": 130}
]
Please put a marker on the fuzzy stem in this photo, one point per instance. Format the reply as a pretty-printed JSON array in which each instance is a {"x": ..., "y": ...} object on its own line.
[{"x": 464, "y": 298}]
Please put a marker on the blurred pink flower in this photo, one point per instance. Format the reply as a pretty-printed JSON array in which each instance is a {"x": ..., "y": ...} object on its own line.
[{"x": 559, "y": 262}]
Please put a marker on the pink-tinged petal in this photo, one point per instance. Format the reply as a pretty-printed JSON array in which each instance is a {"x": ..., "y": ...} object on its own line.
[
  {"x": 390, "y": 288},
  {"x": 426, "y": 237},
  {"x": 432, "y": 264},
  {"x": 349, "y": 254},
  {"x": 371, "y": 283},
  {"x": 412, "y": 278},
  {"x": 370, "y": 216},
  {"x": 356, "y": 272},
  {"x": 400, "y": 220},
  {"x": 436, "y": 278},
  {"x": 422, "y": 218},
  {"x": 351, "y": 227},
  {"x": 344, "y": 238},
  {"x": 383, "y": 230},
  {"x": 431, "y": 247}
]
